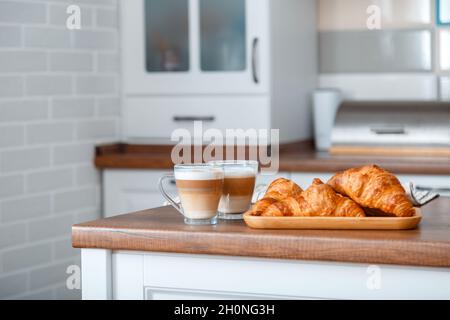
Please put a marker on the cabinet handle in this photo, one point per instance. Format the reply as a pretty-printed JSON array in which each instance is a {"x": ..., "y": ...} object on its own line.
[
  {"x": 387, "y": 130},
  {"x": 254, "y": 50},
  {"x": 193, "y": 118}
]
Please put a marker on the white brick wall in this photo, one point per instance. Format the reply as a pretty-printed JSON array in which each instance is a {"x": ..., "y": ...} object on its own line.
[{"x": 59, "y": 97}]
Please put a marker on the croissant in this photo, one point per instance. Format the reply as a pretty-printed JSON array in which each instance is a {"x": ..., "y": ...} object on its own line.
[
  {"x": 318, "y": 200},
  {"x": 282, "y": 188},
  {"x": 375, "y": 189},
  {"x": 279, "y": 189},
  {"x": 261, "y": 205}
]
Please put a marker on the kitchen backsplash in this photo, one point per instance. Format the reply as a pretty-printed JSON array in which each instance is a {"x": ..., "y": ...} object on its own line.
[
  {"x": 407, "y": 58},
  {"x": 375, "y": 51}
]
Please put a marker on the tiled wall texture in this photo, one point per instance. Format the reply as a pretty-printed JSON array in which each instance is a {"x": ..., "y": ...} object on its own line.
[
  {"x": 58, "y": 98},
  {"x": 407, "y": 59}
]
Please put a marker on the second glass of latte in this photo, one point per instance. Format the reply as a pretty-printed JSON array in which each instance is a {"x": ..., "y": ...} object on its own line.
[{"x": 238, "y": 187}]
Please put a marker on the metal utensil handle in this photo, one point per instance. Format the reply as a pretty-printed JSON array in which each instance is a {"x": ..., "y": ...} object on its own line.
[
  {"x": 260, "y": 189},
  {"x": 432, "y": 189},
  {"x": 193, "y": 118},
  {"x": 421, "y": 198},
  {"x": 172, "y": 202},
  {"x": 254, "y": 50}
]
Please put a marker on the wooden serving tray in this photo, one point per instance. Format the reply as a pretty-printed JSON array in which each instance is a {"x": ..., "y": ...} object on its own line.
[{"x": 332, "y": 223}]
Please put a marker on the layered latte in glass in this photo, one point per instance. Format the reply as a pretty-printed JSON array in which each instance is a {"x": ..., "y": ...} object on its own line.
[
  {"x": 238, "y": 186},
  {"x": 199, "y": 188}
]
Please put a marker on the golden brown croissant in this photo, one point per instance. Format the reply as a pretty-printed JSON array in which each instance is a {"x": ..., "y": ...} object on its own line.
[
  {"x": 318, "y": 200},
  {"x": 282, "y": 188},
  {"x": 278, "y": 190},
  {"x": 261, "y": 205},
  {"x": 375, "y": 189}
]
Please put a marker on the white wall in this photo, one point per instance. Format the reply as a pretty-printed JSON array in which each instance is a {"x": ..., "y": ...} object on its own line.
[{"x": 58, "y": 98}]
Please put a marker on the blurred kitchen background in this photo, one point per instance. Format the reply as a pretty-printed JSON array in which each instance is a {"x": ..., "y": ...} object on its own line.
[{"x": 137, "y": 70}]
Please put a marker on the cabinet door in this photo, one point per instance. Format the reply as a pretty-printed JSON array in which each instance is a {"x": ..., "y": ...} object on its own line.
[
  {"x": 233, "y": 42},
  {"x": 156, "y": 41},
  {"x": 126, "y": 191},
  {"x": 195, "y": 46},
  {"x": 166, "y": 25}
]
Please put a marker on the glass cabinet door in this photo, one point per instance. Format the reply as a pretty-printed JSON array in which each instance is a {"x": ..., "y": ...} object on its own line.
[
  {"x": 222, "y": 35},
  {"x": 166, "y": 35}
]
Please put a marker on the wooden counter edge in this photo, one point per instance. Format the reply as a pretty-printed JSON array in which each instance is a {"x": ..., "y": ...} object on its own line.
[{"x": 406, "y": 253}]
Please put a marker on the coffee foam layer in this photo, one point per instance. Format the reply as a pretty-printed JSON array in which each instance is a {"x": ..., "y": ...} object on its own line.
[
  {"x": 199, "y": 175},
  {"x": 239, "y": 172}
]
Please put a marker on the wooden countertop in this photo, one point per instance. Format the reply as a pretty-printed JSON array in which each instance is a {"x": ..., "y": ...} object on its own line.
[
  {"x": 162, "y": 229},
  {"x": 296, "y": 157}
]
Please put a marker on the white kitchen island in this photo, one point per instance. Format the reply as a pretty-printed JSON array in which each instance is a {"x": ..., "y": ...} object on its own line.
[{"x": 152, "y": 255}]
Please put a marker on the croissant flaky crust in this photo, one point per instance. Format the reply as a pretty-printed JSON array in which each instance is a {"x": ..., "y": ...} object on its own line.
[
  {"x": 261, "y": 206},
  {"x": 282, "y": 188},
  {"x": 375, "y": 189},
  {"x": 278, "y": 190},
  {"x": 318, "y": 200}
]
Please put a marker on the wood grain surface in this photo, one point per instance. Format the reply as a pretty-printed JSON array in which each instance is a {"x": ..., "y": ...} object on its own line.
[
  {"x": 162, "y": 230},
  {"x": 294, "y": 157},
  {"x": 390, "y": 151}
]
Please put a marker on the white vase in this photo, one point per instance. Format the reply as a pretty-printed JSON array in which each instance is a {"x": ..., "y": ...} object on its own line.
[{"x": 325, "y": 105}]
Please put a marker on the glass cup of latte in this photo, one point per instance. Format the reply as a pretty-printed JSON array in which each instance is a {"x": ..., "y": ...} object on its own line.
[
  {"x": 199, "y": 188},
  {"x": 238, "y": 187}
]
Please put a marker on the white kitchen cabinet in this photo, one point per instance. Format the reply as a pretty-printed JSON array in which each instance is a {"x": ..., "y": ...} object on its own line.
[
  {"x": 150, "y": 275},
  {"x": 159, "y": 116},
  {"x": 220, "y": 62},
  {"x": 195, "y": 46},
  {"x": 127, "y": 191}
]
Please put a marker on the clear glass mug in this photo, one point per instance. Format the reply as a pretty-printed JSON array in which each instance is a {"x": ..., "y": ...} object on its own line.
[
  {"x": 238, "y": 187},
  {"x": 199, "y": 188}
]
